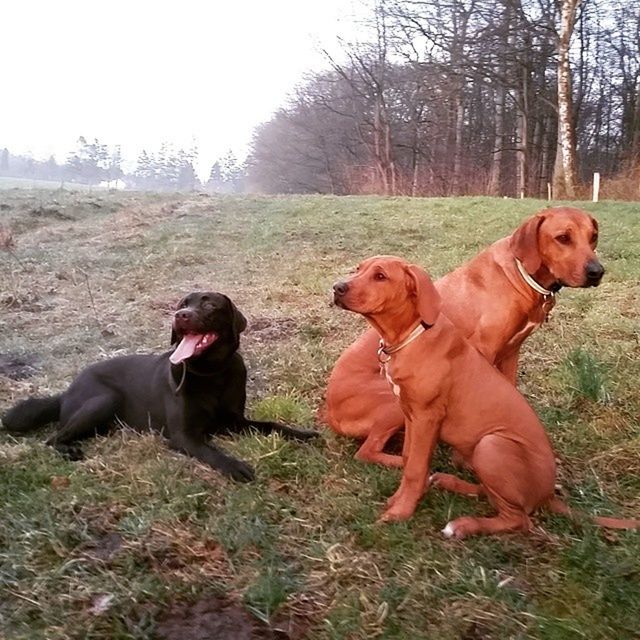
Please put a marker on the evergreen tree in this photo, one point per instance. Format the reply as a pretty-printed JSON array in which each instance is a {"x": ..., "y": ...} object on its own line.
[
  {"x": 114, "y": 165},
  {"x": 4, "y": 160},
  {"x": 144, "y": 173},
  {"x": 215, "y": 181}
]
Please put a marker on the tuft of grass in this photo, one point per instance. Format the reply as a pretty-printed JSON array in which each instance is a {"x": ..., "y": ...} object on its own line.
[
  {"x": 271, "y": 589},
  {"x": 588, "y": 376},
  {"x": 288, "y": 409}
]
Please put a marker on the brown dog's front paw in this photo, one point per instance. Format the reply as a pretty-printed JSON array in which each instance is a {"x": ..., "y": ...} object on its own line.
[
  {"x": 240, "y": 472},
  {"x": 71, "y": 452},
  {"x": 304, "y": 434}
]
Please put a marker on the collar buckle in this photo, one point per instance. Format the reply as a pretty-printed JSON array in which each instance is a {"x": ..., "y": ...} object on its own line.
[{"x": 387, "y": 351}]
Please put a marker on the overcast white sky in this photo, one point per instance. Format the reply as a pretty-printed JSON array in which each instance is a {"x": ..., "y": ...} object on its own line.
[{"x": 137, "y": 72}]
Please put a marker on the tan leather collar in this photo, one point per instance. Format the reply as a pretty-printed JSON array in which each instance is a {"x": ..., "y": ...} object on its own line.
[
  {"x": 531, "y": 282},
  {"x": 384, "y": 350}
]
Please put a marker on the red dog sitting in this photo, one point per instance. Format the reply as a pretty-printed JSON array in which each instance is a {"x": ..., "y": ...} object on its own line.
[{"x": 449, "y": 392}]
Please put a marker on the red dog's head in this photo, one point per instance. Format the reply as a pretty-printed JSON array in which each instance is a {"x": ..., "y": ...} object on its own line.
[
  {"x": 562, "y": 242},
  {"x": 389, "y": 286}
]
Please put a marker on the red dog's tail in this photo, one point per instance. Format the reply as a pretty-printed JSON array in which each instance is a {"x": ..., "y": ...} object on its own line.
[{"x": 556, "y": 505}]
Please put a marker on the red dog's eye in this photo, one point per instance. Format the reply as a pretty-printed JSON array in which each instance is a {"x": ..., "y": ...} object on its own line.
[
  {"x": 380, "y": 276},
  {"x": 563, "y": 239}
]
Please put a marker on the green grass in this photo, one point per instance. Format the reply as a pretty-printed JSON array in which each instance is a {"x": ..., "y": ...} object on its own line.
[
  {"x": 100, "y": 548},
  {"x": 588, "y": 374}
]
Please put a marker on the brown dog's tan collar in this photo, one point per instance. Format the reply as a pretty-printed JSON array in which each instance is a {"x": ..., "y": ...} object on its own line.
[
  {"x": 383, "y": 350},
  {"x": 531, "y": 282}
]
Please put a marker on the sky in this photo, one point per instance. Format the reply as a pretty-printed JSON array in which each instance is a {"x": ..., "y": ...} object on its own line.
[{"x": 138, "y": 72}]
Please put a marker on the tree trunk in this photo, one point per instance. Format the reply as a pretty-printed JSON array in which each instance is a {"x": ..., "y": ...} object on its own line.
[
  {"x": 457, "y": 153},
  {"x": 522, "y": 134},
  {"x": 493, "y": 188},
  {"x": 634, "y": 151},
  {"x": 565, "y": 176}
]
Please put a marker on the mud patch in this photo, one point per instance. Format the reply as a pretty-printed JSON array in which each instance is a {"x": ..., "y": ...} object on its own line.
[
  {"x": 50, "y": 212},
  {"x": 17, "y": 367},
  {"x": 105, "y": 547},
  {"x": 30, "y": 303},
  {"x": 267, "y": 329},
  {"x": 215, "y": 618}
]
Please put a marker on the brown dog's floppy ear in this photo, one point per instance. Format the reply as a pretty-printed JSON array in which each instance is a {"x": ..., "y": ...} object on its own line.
[
  {"x": 524, "y": 243},
  {"x": 238, "y": 321},
  {"x": 428, "y": 300}
]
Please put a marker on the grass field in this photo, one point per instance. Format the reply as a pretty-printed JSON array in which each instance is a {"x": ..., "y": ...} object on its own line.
[
  {"x": 29, "y": 183},
  {"x": 139, "y": 542}
]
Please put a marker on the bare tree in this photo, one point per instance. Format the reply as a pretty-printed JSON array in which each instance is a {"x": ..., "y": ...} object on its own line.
[
  {"x": 464, "y": 97},
  {"x": 565, "y": 177}
]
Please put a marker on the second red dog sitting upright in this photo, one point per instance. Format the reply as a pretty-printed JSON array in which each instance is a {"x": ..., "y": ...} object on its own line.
[{"x": 449, "y": 392}]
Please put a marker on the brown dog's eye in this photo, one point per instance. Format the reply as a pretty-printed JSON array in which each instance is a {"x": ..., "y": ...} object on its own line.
[{"x": 563, "y": 239}]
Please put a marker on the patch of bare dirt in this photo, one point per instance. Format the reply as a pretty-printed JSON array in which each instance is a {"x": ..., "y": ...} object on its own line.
[
  {"x": 215, "y": 618},
  {"x": 266, "y": 329},
  {"x": 31, "y": 303},
  {"x": 105, "y": 547},
  {"x": 17, "y": 367},
  {"x": 51, "y": 212}
]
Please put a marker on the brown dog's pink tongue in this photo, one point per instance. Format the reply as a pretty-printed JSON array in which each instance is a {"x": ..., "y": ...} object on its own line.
[{"x": 186, "y": 348}]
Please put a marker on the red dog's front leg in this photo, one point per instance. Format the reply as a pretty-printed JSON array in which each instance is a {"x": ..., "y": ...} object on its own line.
[{"x": 420, "y": 441}]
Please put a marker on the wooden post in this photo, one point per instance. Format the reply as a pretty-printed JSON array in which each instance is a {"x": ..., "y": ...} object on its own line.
[
  {"x": 596, "y": 186},
  {"x": 549, "y": 191}
]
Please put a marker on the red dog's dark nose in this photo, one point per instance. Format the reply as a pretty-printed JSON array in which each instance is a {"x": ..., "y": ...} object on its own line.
[
  {"x": 340, "y": 288},
  {"x": 594, "y": 270}
]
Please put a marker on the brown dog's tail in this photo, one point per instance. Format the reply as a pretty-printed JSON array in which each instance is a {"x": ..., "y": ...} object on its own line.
[
  {"x": 31, "y": 414},
  {"x": 556, "y": 505}
]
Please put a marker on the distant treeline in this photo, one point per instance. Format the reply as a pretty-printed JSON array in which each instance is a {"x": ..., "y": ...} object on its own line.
[
  {"x": 94, "y": 163},
  {"x": 454, "y": 97}
]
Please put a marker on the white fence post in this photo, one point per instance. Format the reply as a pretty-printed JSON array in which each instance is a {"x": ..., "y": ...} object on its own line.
[
  {"x": 549, "y": 191},
  {"x": 596, "y": 186}
]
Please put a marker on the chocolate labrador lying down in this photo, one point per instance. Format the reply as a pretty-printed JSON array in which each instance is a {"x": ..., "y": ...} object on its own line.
[{"x": 189, "y": 393}]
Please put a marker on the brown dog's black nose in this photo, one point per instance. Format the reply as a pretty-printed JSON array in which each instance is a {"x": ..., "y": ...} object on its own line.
[
  {"x": 340, "y": 288},
  {"x": 183, "y": 319},
  {"x": 594, "y": 271}
]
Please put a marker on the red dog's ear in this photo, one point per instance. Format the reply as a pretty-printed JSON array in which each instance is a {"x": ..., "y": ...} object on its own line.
[
  {"x": 427, "y": 297},
  {"x": 524, "y": 243}
]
